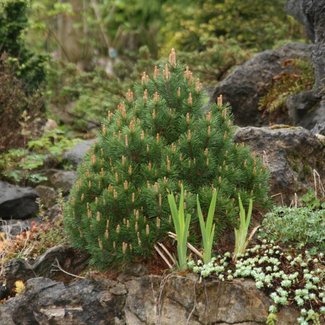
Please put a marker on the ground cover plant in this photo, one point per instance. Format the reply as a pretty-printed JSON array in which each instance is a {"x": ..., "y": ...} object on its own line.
[
  {"x": 289, "y": 277},
  {"x": 159, "y": 138},
  {"x": 299, "y": 226},
  {"x": 286, "y": 261}
]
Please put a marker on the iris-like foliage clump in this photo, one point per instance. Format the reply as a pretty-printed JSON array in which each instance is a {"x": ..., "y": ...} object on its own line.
[{"x": 157, "y": 140}]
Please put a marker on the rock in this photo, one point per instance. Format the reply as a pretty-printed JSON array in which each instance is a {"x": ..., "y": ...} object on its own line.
[
  {"x": 319, "y": 128},
  {"x": 17, "y": 269},
  {"x": 147, "y": 300},
  {"x": 47, "y": 195},
  {"x": 77, "y": 153},
  {"x": 49, "y": 302},
  {"x": 17, "y": 202},
  {"x": 315, "y": 116},
  {"x": 248, "y": 83},
  {"x": 185, "y": 301},
  {"x": 50, "y": 125},
  {"x": 304, "y": 109},
  {"x": 4, "y": 291},
  {"x": 311, "y": 14},
  {"x": 135, "y": 269},
  {"x": 63, "y": 180},
  {"x": 69, "y": 259},
  {"x": 291, "y": 154},
  {"x": 55, "y": 212},
  {"x": 295, "y": 9}
]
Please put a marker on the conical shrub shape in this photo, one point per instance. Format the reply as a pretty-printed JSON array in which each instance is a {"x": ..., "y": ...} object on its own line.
[{"x": 157, "y": 140}]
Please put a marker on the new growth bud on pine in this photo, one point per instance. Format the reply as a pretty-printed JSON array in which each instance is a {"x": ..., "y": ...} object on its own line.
[{"x": 159, "y": 138}]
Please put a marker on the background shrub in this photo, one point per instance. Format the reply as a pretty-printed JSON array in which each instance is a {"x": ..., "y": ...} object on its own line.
[
  {"x": 28, "y": 66},
  {"x": 254, "y": 24},
  {"x": 20, "y": 113}
]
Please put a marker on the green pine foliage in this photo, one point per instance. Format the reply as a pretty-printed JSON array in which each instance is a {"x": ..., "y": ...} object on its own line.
[{"x": 157, "y": 140}]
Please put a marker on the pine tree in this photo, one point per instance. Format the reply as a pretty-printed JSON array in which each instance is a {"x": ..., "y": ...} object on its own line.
[{"x": 157, "y": 140}]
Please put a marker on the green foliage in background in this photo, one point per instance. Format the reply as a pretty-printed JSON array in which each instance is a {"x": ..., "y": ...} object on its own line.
[
  {"x": 155, "y": 141},
  {"x": 24, "y": 166},
  {"x": 253, "y": 24},
  {"x": 28, "y": 66},
  {"x": 110, "y": 35},
  {"x": 216, "y": 60},
  {"x": 52, "y": 142},
  {"x": 19, "y": 166},
  {"x": 89, "y": 95},
  {"x": 99, "y": 25}
]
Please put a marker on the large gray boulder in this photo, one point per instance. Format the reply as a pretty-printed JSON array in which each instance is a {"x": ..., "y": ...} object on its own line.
[
  {"x": 248, "y": 83},
  {"x": 79, "y": 303},
  {"x": 291, "y": 155},
  {"x": 17, "y": 202}
]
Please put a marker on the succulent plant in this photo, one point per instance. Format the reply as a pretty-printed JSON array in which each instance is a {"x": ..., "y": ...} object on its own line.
[{"x": 159, "y": 138}]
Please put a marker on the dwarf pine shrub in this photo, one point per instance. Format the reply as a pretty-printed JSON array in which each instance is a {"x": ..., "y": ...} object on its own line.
[{"x": 159, "y": 138}]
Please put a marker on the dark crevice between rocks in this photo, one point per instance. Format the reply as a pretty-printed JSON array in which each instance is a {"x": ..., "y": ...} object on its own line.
[
  {"x": 237, "y": 323},
  {"x": 135, "y": 315},
  {"x": 193, "y": 315}
]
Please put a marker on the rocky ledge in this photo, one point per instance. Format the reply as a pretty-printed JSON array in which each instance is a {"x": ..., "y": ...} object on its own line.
[
  {"x": 294, "y": 156},
  {"x": 141, "y": 300}
]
